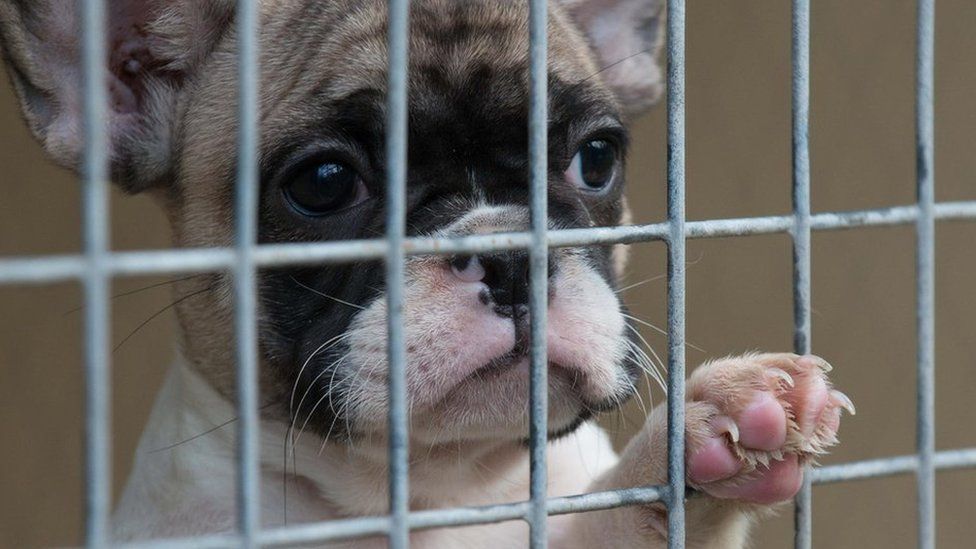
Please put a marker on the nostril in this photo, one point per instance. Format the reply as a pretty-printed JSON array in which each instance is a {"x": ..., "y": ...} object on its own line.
[
  {"x": 467, "y": 268},
  {"x": 507, "y": 277}
]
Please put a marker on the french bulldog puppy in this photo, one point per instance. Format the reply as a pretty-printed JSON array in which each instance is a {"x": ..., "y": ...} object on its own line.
[{"x": 752, "y": 421}]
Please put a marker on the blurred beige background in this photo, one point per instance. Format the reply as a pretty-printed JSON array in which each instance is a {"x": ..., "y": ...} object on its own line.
[{"x": 739, "y": 293}]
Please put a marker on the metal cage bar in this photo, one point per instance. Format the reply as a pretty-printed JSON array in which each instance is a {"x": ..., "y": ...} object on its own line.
[
  {"x": 96, "y": 266},
  {"x": 465, "y": 516},
  {"x": 925, "y": 257},
  {"x": 95, "y": 279},
  {"x": 538, "y": 272},
  {"x": 801, "y": 230},
  {"x": 676, "y": 273},
  {"x": 31, "y": 270},
  {"x": 396, "y": 152},
  {"x": 245, "y": 273}
]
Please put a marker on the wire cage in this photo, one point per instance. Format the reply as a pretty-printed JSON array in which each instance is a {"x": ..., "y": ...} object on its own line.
[{"x": 97, "y": 265}]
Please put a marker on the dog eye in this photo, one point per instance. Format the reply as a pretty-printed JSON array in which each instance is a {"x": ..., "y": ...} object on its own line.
[
  {"x": 319, "y": 188},
  {"x": 594, "y": 165}
]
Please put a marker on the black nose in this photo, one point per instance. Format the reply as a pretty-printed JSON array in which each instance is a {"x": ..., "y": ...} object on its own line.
[
  {"x": 507, "y": 277},
  {"x": 506, "y": 274}
]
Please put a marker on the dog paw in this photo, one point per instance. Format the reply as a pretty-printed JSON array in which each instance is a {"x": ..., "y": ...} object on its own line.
[{"x": 753, "y": 421}]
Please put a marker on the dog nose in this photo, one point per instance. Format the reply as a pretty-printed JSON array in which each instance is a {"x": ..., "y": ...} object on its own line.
[
  {"x": 507, "y": 278},
  {"x": 506, "y": 275}
]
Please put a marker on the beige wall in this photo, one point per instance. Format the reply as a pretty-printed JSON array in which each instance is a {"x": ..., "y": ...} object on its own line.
[{"x": 738, "y": 164}]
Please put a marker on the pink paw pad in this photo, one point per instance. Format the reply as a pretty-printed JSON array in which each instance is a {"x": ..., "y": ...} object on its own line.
[
  {"x": 779, "y": 481},
  {"x": 762, "y": 425},
  {"x": 713, "y": 461},
  {"x": 770, "y": 414}
]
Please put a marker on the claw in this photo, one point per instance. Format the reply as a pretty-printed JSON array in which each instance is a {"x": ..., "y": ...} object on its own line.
[
  {"x": 840, "y": 399},
  {"x": 821, "y": 363},
  {"x": 781, "y": 374},
  {"x": 724, "y": 424}
]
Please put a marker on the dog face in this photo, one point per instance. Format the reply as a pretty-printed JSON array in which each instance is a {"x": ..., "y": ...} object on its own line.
[{"x": 172, "y": 76}]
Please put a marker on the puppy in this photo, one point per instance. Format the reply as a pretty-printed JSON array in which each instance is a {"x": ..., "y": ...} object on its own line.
[{"x": 752, "y": 421}]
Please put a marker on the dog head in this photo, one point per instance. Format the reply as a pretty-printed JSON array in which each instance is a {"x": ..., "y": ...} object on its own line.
[{"x": 172, "y": 75}]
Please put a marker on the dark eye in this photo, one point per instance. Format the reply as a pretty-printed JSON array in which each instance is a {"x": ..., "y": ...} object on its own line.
[
  {"x": 594, "y": 165},
  {"x": 319, "y": 188}
]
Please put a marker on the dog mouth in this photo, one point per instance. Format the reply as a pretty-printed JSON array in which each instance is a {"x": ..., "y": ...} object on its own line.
[
  {"x": 515, "y": 368},
  {"x": 519, "y": 362}
]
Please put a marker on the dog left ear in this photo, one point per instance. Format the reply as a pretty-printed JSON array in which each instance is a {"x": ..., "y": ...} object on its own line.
[
  {"x": 154, "y": 48},
  {"x": 626, "y": 36}
]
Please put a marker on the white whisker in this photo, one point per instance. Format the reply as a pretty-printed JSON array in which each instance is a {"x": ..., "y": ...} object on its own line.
[
  {"x": 647, "y": 365},
  {"x": 327, "y": 296},
  {"x": 641, "y": 283},
  {"x": 660, "y": 363},
  {"x": 294, "y": 389},
  {"x": 334, "y": 366},
  {"x": 658, "y": 330}
]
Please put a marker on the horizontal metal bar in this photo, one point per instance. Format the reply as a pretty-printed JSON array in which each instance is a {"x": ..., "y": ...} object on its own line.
[
  {"x": 884, "y": 467},
  {"x": 421, "y": 520},
  {"x": 209, "y": 541},
  {"x": 56, "y": 268},
  {"x": 463, "y": 516},
  {"x": 323, "y": 531},
  {"x": 962, "y": 458}
]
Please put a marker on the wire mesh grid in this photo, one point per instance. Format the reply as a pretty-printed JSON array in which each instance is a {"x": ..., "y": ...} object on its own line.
[{"x": 97, "y": 265}]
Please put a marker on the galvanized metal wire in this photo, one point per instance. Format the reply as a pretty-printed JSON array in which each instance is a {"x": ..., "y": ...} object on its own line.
[
  {"x": 676, "y": 272},
  {"x": 95, "y": 279},
  {"x": 396, "y": 226},
  {"x": 538, "y": 272},
  {"x": 96, "y": 267},
  {"x": 803, "y": 510},
  {"x": 245, "y": 275},
  {"x": 925, "y": 266}
]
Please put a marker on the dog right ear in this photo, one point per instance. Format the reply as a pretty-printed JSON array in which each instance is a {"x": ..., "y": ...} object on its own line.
[{"x": 154, "y": 49}]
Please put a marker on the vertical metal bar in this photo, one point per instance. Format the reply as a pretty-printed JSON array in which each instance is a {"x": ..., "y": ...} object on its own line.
[
  {"x": 801, "y": 230},
  {"x": 801, "y": 176},
  {"x": 396, "y": 153},
  {"x": 98, "y": 443},
  {"x": 676, "y": 274},
  {"x": 925, "y": 257},
  {"x": 538, "y": 269},
  {"x": 245, "y": 286}
]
